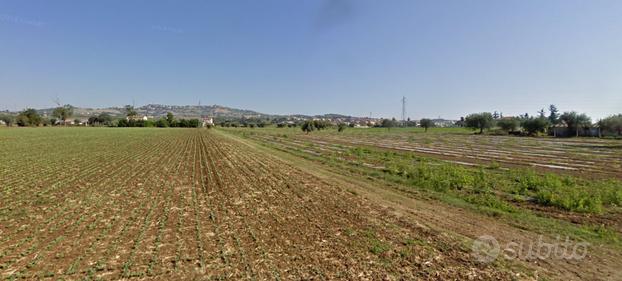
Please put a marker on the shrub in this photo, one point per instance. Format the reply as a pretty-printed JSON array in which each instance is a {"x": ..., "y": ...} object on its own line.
[
  {"x": 162, "y": 123},
  {"x": 571, "y": 199},
  {"x": 490, "y": 201},
  {"x": 529, "y": 180},
  {"x": 341, "y": 127},
  {"x": 482, "y": 183},
  {"x": 123, "y": 123},
  {"x": 610, "y": 192}
]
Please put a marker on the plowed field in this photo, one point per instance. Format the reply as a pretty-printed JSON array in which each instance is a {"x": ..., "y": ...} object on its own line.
[
  {"x": 81, "y": 203},
  {"x": 492, "y": 190}
]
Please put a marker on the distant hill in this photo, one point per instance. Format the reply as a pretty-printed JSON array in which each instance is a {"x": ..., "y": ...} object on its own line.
[
  {"x": 156, "y": 110},
  {"x": 188, "y": 111},
  {"x": 192, "y": 111}
]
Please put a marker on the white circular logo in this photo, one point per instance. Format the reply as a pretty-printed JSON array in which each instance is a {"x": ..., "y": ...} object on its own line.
[{"x": 485, "y": 249}]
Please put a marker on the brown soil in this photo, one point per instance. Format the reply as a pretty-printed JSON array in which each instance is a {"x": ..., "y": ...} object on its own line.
[{"x": 193, "y": 204}]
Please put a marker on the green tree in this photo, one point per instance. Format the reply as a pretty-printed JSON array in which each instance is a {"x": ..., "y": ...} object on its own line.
[
  {"x": 535, "y": 125},
  {"x": 130, "y": 112},
  {"x": 194, "y": 123},
  {"x": 509, "y": 124},
  {"x": 389, "y": 123},
  {"x": 426, "y": 123},
  {"x": 575, "y": 121},
  {"x": 63, "y": 113},
  {"x": 170, "y": 118},
  {"x": 479, "y": 121},
  {"x": 320, "y": 124},
  {"x": 183, "y": 123},
  {"x": 92, "y": 121},
  {"x": 7, "y": 119},
  {"x": 612, "y": 124},
  {"x": 46, "y": 122},
  {"x": 28, "y": 117},
  {"x": 341, "y": 127},
  {"x": 308, "y": 126},
  {"x": 105, "y": 119},
  {"x": 162, "y": 123},
  {"x": 461, "y": 122},
  {"x": 148, "y": 123},
  {"x": 101, "y": 119},
  {"x": 123, "y": 123},
  {"x": 553, "y": 115}
]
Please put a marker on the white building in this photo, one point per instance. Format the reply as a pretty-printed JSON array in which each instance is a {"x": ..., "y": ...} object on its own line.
[
  {"x": 208, "y": 121},
  {"x": 144, "y": 118}
]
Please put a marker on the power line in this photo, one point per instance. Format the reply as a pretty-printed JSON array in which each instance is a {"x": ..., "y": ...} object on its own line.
[{"x": 403, "y": 109}]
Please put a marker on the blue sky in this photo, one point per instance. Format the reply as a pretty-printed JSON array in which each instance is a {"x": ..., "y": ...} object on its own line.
[{"x": 448, "y": 58}]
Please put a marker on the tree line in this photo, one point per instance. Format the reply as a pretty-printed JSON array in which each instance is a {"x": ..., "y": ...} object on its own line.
[
  {"x": 61, "y": 115},
  {"x": 162, "y": 122},
  {"x": 573, "y": 122},
  {"x": 544, "y": 122}
]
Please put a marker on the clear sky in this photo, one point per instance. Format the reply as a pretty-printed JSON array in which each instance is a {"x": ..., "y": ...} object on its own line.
[{"x": 448, "y": 58}]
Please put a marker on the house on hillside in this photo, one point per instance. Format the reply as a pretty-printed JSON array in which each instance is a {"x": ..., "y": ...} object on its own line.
[
  {"x": 144, "y": 118},
  {"x": 207, "y": 121}
]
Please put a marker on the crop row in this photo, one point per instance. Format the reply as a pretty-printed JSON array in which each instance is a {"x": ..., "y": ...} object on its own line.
[
  {"x": 488, "y": 185},
  {"x": 189, "y": 204}
]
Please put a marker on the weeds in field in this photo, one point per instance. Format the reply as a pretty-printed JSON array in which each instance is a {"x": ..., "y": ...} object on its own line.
[
  {"x": 376, "y": 246},
  {"x": 488, "y": 186},
  {"x": 564, "y": 192}
]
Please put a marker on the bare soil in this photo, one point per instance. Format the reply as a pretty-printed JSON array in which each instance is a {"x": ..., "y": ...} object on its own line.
[{"x": 194, "y": 204}]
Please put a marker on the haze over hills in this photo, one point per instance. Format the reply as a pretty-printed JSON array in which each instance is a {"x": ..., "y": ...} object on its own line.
[
  {"x": 157, "y": 110},
  {"x": 184, "y": 111}
]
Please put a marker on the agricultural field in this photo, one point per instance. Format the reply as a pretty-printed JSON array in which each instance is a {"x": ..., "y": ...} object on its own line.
[
  {"x": 501, "y": 172},
  {"x": 82, "y": 203},
  {"x": 271, "y": 204},
  {"x": 567, "y": 187},
  {"x": 591, "y": 157}
]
